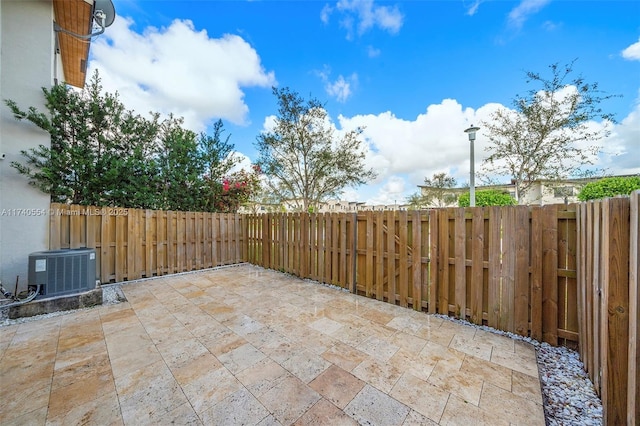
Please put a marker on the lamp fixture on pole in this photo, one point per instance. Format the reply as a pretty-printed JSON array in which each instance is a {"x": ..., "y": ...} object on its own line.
[{"x": 471, "y": 131}]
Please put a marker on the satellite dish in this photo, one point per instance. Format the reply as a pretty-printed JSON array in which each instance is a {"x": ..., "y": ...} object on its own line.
[{"x": 104, "y": 13}]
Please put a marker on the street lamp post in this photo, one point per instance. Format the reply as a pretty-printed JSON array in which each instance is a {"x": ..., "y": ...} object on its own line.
[{"x": 471, "y": 131}]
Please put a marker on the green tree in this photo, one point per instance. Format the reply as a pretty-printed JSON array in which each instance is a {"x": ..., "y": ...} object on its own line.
[
  {"x": 303, "y": 160},
  {"x": 436, "y": 192},
  {"x": 609, "y": 187},
  {"x": 101, "y": 154},
  {"x": 85, "y": 151},
  {"x": 180, "y": 167},
  {"x": 488, "y": 197},
  {"x": 548, "y": 133},
  {"x": 218, "y": 159}
]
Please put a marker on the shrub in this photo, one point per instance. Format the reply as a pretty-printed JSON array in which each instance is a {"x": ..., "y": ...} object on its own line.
[
  {"x": 488, "y": 197},
  {"x": 609, "y": 187}
]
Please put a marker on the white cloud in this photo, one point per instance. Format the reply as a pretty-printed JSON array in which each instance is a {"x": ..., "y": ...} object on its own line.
[
  {"x": 243, "y": 163},
  {"x": 473, "y": 9},
  {"x": 405, "y": 151},
  {"x": 269, "y": 123},
  {"x": 632, "y": 52},
  {"x": 361, "y": 16},
  {"x": 392, "y": 191},
  {"x": 325, "y": 13},
  {"x": 622, "y": 148},
  {"x": 341, "y": 88},
  {"x": 524, "y": 10},
  {"x": 372, "y": 52},
  {"x": 433, "y": 141},
  {"x": 179, "y": 70},
  {"x": 551, "y": 26}
]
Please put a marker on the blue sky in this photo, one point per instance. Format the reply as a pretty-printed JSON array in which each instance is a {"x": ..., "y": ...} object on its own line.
[{"x": 415, "y": 74}]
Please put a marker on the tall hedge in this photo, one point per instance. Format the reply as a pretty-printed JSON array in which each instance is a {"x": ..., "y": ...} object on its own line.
[
  {"x": 609, "y": 187},
  {"x": 488, "y": 197},
  {"x": 105, "y": 155}
]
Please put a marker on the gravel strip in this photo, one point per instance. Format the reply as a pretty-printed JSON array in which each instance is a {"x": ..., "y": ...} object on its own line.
[{"x": 568, "y": 393}]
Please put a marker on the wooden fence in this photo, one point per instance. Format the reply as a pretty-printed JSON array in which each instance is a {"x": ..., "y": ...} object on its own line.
[
  {"x": 608, "y": 302},
  {"x": 316, "y": 246},
  {"x": 132, "y": 243},
  {"x": 560, "y": 274},
  {"x": 513, "y": 268}
]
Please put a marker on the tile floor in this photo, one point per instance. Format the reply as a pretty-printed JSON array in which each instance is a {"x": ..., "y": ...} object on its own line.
[{"x": 245, "y": 345}]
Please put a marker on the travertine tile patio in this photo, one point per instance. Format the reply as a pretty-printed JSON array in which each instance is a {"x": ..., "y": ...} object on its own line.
[{"x": 245, "y": 345}]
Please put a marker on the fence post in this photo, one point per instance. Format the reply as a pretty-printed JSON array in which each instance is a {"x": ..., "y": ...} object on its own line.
[
  {"x": 536, "y": 273},
  {"x": 550, "y": 274},
  {"x": 615, "y": 309},
  {"x": 633, "y": 393},
  {"x": 433, "y": 261},
  {"x": 354, "y": 253},
  {"x": 379, "y": 261},
  {"x": 495, "y": 266},
  {"x": 460, "y": 266},
  {"x": 416, "y": 257}
]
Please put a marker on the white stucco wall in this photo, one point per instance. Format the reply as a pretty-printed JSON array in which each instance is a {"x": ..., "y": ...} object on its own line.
[{"x": 26, "y": 62}]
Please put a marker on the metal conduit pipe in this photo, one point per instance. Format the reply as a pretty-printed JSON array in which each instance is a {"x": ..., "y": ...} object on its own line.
[{"x": 32, "y": 295}]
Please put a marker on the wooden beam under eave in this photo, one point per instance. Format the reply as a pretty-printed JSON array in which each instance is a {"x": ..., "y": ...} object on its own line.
[{"x": 74, "y": 16}]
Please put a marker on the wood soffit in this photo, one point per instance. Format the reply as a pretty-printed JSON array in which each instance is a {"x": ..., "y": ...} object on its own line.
[{"x": 74, "y": 16}]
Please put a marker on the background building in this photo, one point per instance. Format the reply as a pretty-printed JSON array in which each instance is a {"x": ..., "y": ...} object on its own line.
[{"x": 542, "y": 192}]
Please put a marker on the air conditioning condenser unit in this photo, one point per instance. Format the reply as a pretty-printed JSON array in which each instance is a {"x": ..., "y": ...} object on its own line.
[{"x": 63, "y": 272}]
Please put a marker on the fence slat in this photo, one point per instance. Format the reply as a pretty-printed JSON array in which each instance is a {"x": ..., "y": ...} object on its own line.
[
  {"x": 344, "y": 282},
  {"x": 161, "y": 242},
  {"x": 76, "y": 229},
  {"x": 522, "y": 284},
  {"x": 150, "y": 249},
  {"x": 580, "y": 274},
  {"x": 328, "y": 244},
  {"x": 416, "y": 260},
  {"x": 304, "y": 246},
  {"x": 433, "y": 262},
  {"x": 536, "y": 273},
  {"x": 403, "y": 276},
  {"x": 477, "y": 265},
  {"x": 334, "y": 251},
  {"x": 121, "y": 247},
  {"x": 633, "y": 388},
  {"x": 133, "y": 237},
  {"x": 322, "y": 230},
  {"x": 586, "y": 284},
  {"x": 391, "y": 257},
  {"x": 572, "y": 281},
  {"x": 170, "y": 232},
  {"x": 106, "y": 259},
  {"x": 313, "y": 246},
  {"x": 237, "y": 238},
  {"x": 379, "y": 273},
  {"x": 597, "y": 294},
  {"x": 460, "y": 264},
  {"x": 507, "y": 289},
  {"x": 495, "y": 228},
  {"x": 353, "y": 247},
  {"x": 443, "y": 262},
  {"x": 369, "y": 271},
  {"x": 615, "y": 309},
  {"x": 550, "y": 274}
]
